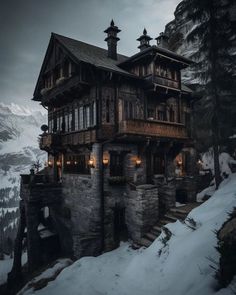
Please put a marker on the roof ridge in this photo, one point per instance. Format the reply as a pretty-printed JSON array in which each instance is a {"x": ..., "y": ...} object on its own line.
[{"x": 97, "y": 47}]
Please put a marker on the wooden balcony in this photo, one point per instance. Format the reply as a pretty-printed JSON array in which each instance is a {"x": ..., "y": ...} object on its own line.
[
  {"x": 153, "y": 129},
  {"x": 163, "y": 81},
  {"x": 79, "y": 138},
  {"x": 49, "y": 141},
  {"x": 58, "y": 141}
]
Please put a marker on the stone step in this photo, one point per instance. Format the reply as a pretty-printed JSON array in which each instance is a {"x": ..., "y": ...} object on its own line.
[
  {"x": 145, "y": 242},
  {"x": 155, "y": 232},
  {"x": 165, "y": 221},
  {"x": 150, "y": 236},
  {"x": 157, "y": 228},
  {"x": 170, "y": 217},
  {"x": 179, "y": 211}
]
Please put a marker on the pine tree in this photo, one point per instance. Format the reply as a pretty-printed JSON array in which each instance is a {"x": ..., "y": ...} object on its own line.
[{"x": 215, "y": 68}]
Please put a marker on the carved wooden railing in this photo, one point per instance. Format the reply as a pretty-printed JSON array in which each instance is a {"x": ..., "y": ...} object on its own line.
[
  {"x": 164, "y": 81},
  {"x": 153, "y": 128},
  {"x": 49, "y": 140},
  {"x": 81, "y": 137}
]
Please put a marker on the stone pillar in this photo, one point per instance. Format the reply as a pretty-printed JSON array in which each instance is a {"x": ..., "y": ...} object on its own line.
[
  {"x": 33, "y": 239},
  {"x": 142, "y": 210}
]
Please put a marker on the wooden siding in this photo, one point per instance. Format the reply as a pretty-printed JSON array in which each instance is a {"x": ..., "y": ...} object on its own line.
[{"x": 151, "y": 128}]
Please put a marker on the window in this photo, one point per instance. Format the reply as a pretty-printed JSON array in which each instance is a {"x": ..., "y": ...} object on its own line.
[
  {"x": 76, "y": 119},
  {"x": 66, "y": 123},
  {"x": 108, "y": 111},
  {"x": 93, "y": 114},
  {"x": 81, "y": 118},
  {"x": 70, "y": 122},
  {"x": 161, "y": 115},
  {"x": 116, "y": 164},
  {"x": 66, "y": 69},
  {"x": 172, "y": 114},
  {"x": 76, "y": 164},
  {"x": 150, "y": 113},
  {"x": 86, "y": 116}
]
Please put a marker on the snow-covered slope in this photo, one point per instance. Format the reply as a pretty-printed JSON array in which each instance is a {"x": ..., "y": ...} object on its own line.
[
  {"x": 178, "y": 262},
  {"x": 19, "y": 130}
]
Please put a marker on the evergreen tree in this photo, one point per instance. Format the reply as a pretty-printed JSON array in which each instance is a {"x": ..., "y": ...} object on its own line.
[{"x": 215, "y": 68}]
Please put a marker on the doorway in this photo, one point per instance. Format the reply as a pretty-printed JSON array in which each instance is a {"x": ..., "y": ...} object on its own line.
[{"x": 120, "y": 228}]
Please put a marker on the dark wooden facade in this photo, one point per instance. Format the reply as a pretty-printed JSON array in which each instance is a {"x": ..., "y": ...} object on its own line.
[{"x": 115, "y": 127}]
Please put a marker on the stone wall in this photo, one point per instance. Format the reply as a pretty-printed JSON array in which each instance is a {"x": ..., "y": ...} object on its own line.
[
  {"x": 82, "y": 196},
  {"x": 142, "y": 210}
]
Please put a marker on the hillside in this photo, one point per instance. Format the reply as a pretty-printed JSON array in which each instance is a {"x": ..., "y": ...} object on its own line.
[
  {"x": 181, "y": 261},
  {"x": 19, "y": 130}
]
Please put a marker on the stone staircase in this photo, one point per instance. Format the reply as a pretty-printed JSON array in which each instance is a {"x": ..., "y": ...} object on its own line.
[{"x": 174, "y": 214}]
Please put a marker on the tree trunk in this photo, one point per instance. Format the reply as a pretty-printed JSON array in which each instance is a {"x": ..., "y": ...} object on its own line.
[{"x": 216, "y": 165}]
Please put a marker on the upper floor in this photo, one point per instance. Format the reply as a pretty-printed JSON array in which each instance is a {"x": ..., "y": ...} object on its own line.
[{"x": 99, "y": 94}]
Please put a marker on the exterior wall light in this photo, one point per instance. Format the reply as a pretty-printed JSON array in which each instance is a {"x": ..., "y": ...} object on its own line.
[
  {"x": 91, "y": 163},
  {"x": 68, "y": 162},
  {"x": 49, "y": 164},
  {"x": 75, "y": 162},
  {"x": 105, "y": 162},
  {"x": 58, "y": 163},
  {"x": 138, "y": 162}
]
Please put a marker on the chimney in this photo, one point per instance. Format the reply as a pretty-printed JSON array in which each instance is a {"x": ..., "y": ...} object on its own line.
[
  {"x": 112, "y": 40},
  {"x": 163, "y": 40},
  {"x": 144, "y": 40}
]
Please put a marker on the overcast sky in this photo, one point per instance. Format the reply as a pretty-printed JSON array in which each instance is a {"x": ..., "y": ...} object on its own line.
[{"x": 26, "y": 25}]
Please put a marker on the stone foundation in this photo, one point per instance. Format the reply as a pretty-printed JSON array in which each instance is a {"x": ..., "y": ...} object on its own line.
[{"x": 142, "y": 212}]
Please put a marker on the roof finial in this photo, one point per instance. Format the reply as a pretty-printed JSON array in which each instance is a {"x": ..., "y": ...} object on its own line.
[
  {"x": 112, "y": 23},
  {"x": 145, "y": 32}
]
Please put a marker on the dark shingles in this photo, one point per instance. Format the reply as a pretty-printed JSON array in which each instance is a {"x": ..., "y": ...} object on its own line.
[{"x": 92, "y": 54}]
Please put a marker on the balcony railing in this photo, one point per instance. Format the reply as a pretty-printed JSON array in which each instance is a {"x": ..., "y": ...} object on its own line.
[
  {"x": 81, "y": 137},
  {"x": 50, "y": 141},
  {"x": 163, "y": 81},
  {"x": 153, "y": 128}
]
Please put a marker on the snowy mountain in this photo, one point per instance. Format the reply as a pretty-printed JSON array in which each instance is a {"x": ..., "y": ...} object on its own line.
[
  {"x": 182, "y": 260},
  {"x": 19, "y": 130}
]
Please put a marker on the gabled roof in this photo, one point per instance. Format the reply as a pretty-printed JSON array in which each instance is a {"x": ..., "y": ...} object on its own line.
[
  {"x": 91, "y": 54},
  {"x": 159, "y": 50}
]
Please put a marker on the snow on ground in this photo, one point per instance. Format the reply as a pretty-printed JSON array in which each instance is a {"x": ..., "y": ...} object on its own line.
[
  {"x": 49, "y": 273},
  {"x": 225, "y": 161},
  {"x": 180, "y": 265},
  {"x": 6, "y": 265}
]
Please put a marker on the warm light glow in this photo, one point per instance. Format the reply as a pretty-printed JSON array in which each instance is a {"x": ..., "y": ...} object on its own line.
[
  {"x": 180, "y": 162},
  {"x": 49, "y": 163},
  {"x": 138, "y": 162},
  {"x": 68, "y": 162},
  {"x": 199, "y": 162},
  {"x": 75, "y": 162},
  {"x": 58, "y": 163},
  {"x": 91, "y": 163},
  {"x": 105, "y": 161}
]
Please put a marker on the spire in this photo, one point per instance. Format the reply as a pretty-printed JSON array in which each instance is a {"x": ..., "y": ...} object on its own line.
[
  {"x": 144, "y": 40},
  {"x": 112, "y": 39},
  {"x": 162, "y": 40}
]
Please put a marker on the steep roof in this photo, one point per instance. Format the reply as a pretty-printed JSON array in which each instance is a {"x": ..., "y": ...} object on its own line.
[
  {"x": 160, "y": 50},
  {"x": 94, "y": 55}
]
